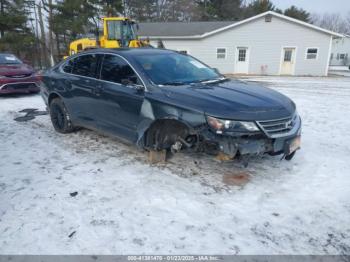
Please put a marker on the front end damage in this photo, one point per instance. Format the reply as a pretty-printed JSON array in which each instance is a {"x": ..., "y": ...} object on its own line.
[
  {"x": 174, "y": 130},
  {"x": 274, "y": 137},
  {"x": 171, "y": 134},
  {"x": 234, "y": 146}
]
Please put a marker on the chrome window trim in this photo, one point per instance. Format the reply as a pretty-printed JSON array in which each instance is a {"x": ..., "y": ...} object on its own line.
[{"x": 110, "y": 82}]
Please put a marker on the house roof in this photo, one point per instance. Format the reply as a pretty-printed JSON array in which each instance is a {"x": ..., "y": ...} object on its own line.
[
  {"x": 197, "y": 30},
  {"x": 180, "y": 28}
]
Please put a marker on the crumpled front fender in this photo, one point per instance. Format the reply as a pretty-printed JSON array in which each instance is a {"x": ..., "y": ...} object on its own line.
[{"x": 152, "y": 111}]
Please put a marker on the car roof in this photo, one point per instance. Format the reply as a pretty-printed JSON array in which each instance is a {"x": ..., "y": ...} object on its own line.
[{"x": 126, "y": 52}]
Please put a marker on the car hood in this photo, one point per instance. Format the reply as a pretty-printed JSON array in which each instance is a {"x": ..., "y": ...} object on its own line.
[
  {"x": 15, "y": 69},
  {"x": 231, "y": 99}
]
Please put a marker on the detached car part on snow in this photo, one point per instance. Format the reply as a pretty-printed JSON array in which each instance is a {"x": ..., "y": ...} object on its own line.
[{"x": 163, "y": 100}]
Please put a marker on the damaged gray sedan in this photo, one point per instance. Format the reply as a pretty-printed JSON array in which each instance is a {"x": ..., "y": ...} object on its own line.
[{"x": 162, "y": 100}]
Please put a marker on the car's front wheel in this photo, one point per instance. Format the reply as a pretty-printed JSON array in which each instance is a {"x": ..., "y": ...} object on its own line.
[{"x": 59, "y": 117}]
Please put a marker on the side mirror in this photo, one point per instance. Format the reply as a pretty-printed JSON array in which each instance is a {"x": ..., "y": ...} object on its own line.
[
  {"x": 216, "y": 70},
  {"x": 125, "y": 81},
  {"x": 139, "y": 88},
  {"x": 129, "y": 82}
]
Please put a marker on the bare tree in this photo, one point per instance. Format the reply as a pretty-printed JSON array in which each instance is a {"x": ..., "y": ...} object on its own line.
[
  {"x": 348, "y": 22},
  {"x": 42, "y": 33},
  {"x": 331, "y": 21},
  {"x": 48, "y": 7}
]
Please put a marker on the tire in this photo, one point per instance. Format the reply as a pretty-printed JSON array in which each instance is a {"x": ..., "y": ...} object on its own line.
[{"x": 59, "y": 117}]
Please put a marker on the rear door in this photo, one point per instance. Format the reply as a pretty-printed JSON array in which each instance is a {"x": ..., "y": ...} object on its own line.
[
  {"x": 120, "y": 97},
  {"x": 83, "y": 84}
]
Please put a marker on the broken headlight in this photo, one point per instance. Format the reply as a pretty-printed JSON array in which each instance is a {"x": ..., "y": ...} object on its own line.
[{"x": 220, "y": 125}]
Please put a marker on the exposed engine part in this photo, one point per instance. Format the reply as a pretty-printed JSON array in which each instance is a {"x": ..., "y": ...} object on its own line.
[
  {"x": 176, "y": 147},
  {"x": 188, "y": 142},
  {"x": 165, "y": 133}
]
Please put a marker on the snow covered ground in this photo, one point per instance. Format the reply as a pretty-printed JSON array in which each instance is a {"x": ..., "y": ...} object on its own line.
[
  {"x": 126, "y": 206},
  {"x": 339, "y": 70}
]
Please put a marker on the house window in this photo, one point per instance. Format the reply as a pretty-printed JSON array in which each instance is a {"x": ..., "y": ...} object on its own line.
[
  {"x": 242, "y": 53},
  {"x": 221, "y": 53},
  {"x": 288, "y": 55},
  {"x": 342, "y": 56},
  {"x": 311, "y": 53}
]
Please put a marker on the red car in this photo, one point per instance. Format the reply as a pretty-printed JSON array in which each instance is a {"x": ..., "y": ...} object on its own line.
[{"x": 16, "y": 76}]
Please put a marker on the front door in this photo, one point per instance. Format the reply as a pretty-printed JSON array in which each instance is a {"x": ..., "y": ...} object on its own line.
[
  {"x": 242, "y": 60},
  {"x": 120, "y": 98},
  {"x": 288, "y": 61}
]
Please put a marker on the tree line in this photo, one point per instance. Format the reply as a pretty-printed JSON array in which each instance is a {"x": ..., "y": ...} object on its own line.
[{"x": 40, "y": 30}]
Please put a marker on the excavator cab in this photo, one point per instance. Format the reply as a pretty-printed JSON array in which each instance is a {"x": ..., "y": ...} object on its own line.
[{"x": 118, "y": 32}]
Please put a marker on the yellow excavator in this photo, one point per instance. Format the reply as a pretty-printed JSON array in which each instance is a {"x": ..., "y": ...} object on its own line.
[{"x": 117, "y": 32}]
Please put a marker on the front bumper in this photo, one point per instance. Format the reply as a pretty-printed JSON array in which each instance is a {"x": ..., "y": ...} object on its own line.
[
  {"x": 19, "y": 85},
  {"x": 261, "y": 143}
]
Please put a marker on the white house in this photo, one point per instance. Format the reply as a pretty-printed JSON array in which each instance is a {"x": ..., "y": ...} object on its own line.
[
  {"x": 269, "y": 43},
  {"x": 341, "y": 51}
]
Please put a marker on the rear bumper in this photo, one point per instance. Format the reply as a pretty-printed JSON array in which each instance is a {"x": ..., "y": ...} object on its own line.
[{"x": 19, "y": 85}]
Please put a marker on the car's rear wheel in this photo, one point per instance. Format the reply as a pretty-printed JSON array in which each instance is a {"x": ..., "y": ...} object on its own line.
[{"x": 59, "y": 117}]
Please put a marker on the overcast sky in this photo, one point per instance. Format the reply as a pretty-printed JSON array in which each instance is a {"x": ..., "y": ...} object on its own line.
[{"x": 316, "y": 6}]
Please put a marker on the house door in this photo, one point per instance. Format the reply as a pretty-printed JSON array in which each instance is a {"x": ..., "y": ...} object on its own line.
[
  {"x": 242, "y": 60},
  {"x": 288, "y": 61}
]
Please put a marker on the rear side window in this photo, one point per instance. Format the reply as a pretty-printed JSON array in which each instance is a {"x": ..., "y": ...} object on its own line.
[
  {"x": 117, "y": 70},
  {"x": 85, "y": 65}
]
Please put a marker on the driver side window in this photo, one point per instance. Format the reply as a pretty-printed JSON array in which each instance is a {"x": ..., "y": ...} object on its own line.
[{"x": 117, "y": 70}]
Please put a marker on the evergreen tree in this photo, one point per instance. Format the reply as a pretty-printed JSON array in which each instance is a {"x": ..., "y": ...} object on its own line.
[
  {"x": 297, "y": 13},
  {"x": 220, "y": 9},
  {"x": 15, "y": 35},
  {"x": 12, "y": 16},
  {"x": 257, "y": 7},
  {"x": 73, "y": 19}
]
